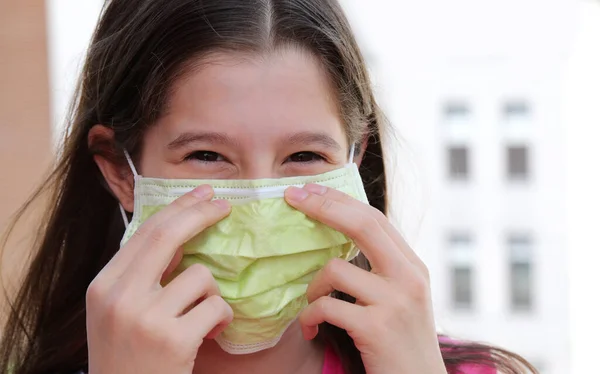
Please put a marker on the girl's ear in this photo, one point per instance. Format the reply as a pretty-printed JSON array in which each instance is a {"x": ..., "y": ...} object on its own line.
[{"x": 118, "y": 177}]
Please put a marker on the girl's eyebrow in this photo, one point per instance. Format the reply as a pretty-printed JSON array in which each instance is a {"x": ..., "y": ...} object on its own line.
[
  {"x": 308, "y": 137},
  {"x": 204, "y": 137},
  {"x": 300, "y": 138}
]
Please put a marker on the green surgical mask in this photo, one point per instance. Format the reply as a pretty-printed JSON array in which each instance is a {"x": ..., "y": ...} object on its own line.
[{"x": 263, "y": 255}]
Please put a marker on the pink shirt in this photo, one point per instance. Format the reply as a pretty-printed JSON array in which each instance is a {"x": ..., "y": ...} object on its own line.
[{"x": 333, "y": 365}]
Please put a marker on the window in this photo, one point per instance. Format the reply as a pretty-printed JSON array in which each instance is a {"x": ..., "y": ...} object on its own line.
[
  {"x": 462, "y": 293},
  {"x": 517, "y": 160},
  {"x": 516, "y": 111},
  {"x": 456, "y": 112},
  {"x": 461, "y": 271},
  {"x": 458, "y": 163},
  {"x": 520, "y": 248}
]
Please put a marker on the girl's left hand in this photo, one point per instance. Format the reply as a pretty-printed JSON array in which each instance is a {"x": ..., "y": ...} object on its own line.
[{"x": 392, "y": 322}]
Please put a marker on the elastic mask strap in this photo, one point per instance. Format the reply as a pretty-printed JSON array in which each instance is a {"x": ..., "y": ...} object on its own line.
[
  {"x": 124, "y": 215},
  {"x": 352, "y": 149},
  {"x": 135, "y": 174},
  {"x": 130, "y": 162}
]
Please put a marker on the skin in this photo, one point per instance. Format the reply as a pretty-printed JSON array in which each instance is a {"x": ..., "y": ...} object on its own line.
[{"x": 252, "y": 117}]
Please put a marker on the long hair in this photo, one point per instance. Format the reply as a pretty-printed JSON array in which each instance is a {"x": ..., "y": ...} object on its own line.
[{"x": 139, "y": 49}]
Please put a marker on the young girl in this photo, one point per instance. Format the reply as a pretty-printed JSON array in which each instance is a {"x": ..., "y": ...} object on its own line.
[{"x": 233, "y": 139}]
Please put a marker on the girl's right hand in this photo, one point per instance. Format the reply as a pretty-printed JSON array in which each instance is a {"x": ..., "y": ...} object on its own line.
[{"x": 134, "y": 325}]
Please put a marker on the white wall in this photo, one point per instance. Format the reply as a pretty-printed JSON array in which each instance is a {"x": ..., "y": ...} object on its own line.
[
  {"x": 582, "y": 115},
  {"x": 70, "y": 27}
]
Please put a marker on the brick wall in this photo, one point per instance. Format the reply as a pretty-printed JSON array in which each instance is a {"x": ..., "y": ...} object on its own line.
[{"x": 25, "y": 130}]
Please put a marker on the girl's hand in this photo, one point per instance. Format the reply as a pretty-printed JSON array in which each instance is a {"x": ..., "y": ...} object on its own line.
[
  {"x": 134, "y": 325},
  {"x": 392, "y": 321}
]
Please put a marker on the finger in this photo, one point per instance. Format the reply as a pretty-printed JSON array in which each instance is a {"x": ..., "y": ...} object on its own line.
[
  {"x": 175, "y": 261},
  {"x": 340, "y": 275},
  {"x": 336, "y": 312},
  {"x": 211, "y": 316},
  {"x": 165, "y": 238},
  {"x": 384, "y": 222},
  {"x": 121, "y": 260},
  {"x": 362, "y": 228},
  {"x": 193, "y": 284},
  {"x": 216, "y": 331}
]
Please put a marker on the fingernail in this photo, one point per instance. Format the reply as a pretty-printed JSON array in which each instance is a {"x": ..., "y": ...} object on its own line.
[
  {"x": 316, "y": 189},
  {"x": 296, "y": 194},
  {"x": 223, "y": 204},
  {"x": 202, "y": 191}
]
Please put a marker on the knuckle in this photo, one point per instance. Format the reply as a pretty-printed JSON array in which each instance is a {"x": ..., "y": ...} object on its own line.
[
  {"x": 158, "y": 234},
  {"x": 201, "y": 273},
  {"x": 175, "y": 346},
  {"x": 333, "y": 269},
  {"x": 182, "y": 201},
  {"x": 323, "y": 305},
  {"x": 365, "y": 226},
  {"x": 116, "y": 306},
  {"x": 424, "y": 271},
  {"x": 343, "y": 197},
  {"x": 419, "y": 289},
  {"x": 347, "y": 198},
  {"x": 161, "y": 334},
  {"x": 200, "y": 270},
  {"x": 219, "y": 306},
  {"x": 171, "y": 345},
  {"x": 142, "y": 230},
  {"x": 325, "y": 205},
  {"x": 201, "y": 210},
  {"x": 146, "y": 327},
  {"x": 200, "y": 207},
  {"x": 95, "y": 292},
  {"x": 116, "y": 313},
  {"x": 379, "y": 215},
  {"x": 206, "y": 213}
]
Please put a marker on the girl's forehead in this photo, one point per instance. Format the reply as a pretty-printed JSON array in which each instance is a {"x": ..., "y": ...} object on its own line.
[{"x": 282, "y": 92}]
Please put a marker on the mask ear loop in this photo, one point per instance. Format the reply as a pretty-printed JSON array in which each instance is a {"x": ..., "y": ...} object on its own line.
[
  {"x": 352, "y": 150},
  {"x": 135, "y": 175},
  {"x": 124, "y": 216},
  {"x": 131, "y": 165}
]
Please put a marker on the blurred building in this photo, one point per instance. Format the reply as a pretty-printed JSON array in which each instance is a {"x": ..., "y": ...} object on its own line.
[
  {"x": 495, "y": 233},
  {"x": 24, "y": 113},
  {"x": 24, "y": 101},
  {"x": 475, "y": 90}
]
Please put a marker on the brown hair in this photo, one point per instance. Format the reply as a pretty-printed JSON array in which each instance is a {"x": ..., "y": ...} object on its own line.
[{"x": 140, "y": 47}]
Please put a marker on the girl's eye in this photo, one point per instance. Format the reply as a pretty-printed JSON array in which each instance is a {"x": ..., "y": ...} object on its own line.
[
  {"x": 305, "y": 157},
  {"x": 205, "y": 156}
]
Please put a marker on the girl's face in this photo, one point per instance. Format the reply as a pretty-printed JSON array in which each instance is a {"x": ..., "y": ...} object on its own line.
[{"x": 241, "y": 117}]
